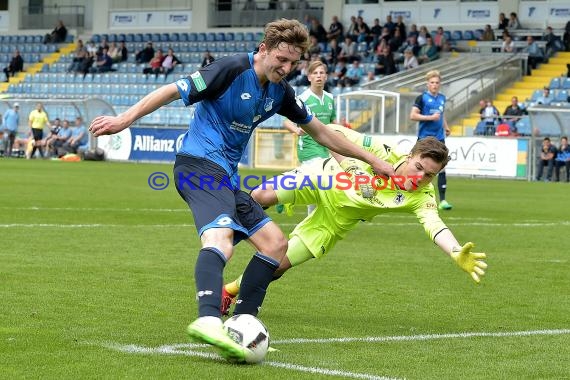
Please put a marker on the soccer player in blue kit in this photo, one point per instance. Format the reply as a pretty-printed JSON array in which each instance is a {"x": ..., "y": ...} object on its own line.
[
  {"x": 233, "y": 95},
  {"x": 428, "y": 112}
]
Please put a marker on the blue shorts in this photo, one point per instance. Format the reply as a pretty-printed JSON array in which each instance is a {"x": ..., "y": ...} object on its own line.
[{"x": 213, "y": 203}]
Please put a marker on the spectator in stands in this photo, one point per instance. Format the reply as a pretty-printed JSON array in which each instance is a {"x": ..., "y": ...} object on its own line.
[
  {"x": 396, "y": 41},
  {"x": 339, "y": 72},
  {"x": 79, "y": 56},
  {"x": 155, "y": 64},
  {"x": 514, "y": 22},
  {"x": 535, "y": 54},
  {"x": 546, "y": 98},
  {"x": 488, "y": 34},
  {"x": 508, "y": 45},
  {"x": 482, "y": 105},
  {"x": 354, "y": 75},
  {"x": 169, "y": 63},
  {"x": 553, "y": 43},
  {"x": 363, "y": 30},
  {"x": 57, "y": 35},
  {"x": 401, "y": 26},
  {"x": 103, "y": 64},
  {"x": 336, "y": 31},
  {"x": 503, "y": 22},
  {"x": 384, "y": 62},
  {"x": 314, "y": 48},
  {"x": 78, "y": 138},
  {"x": 54, "y": 129},
  {"x": 423, "y": 35},
  {"x": 15, "y": 66},
  {"x": 146, "y": 54},
  {"x": 439, "y": 39},
  {"x": 390, "y": 24},
  {"x": 38, "y": 120},
  {"x": 352, "y": 30},
  {"x": 547, "y": 156},
  {"x": 491, "y": 117},
  {"x": 10, "y": 122},
  {"x": 319, "y": 32},
  {"x": 413, "y": 31},
  {"x": 513, "y": 112},
  {"x": 562, "y": 159},
  {"x": 119, "y": 53},
  {"x": 208, "y": 58},
  {"x": 428, "y": 52},
  {"x": 410, "y": 60},
  {"x": 375, "y": 33},
  {"x": 103, "y": 45},
  {"x": 411, "y": 43},
  {"x": 333, "y": 53},
  {"x": 348, "y": 50}
]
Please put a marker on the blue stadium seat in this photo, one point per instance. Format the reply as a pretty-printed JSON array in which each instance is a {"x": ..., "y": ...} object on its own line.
[
  {"x": 561, "y": 96},
  {"x": 192, "y": 37},
  {"x": 239, "y": 36},
  {"x": 113, "y": 37},
  {"x": 164, "y": 37},
  {"x": 523, "y": 126},
  {"x": 130, "y": 37},
  {"x": 248, "y": 36},
  {"x": 555, "y": 83},
  {"x": 229, "y": 36},
  {"x": 535, "y": 95},
  {"x": 566, "y": 83},
  {"x": 174, "y": 37},
  {"x": 201, "y": 37},
  {"x": 457, "y": 35},
  {"x": 468, "y": 35}
]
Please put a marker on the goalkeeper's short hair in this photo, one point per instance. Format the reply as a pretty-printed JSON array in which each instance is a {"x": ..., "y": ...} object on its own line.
[{"x": 432, "y": 148}]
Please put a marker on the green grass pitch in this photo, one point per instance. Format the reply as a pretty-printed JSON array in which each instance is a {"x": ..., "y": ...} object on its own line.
[{"x": 96, "y": 281}]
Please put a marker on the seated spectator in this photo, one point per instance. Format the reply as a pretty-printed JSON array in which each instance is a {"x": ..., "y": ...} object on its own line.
[
  {"x": 396, "y": 40},
  {"x": 439, "y": 39},
  {"x": 553, "y": 42},
  {"x": 317, "y": 29},
  {"x": 146, "y": 54},
  {"x": 384, "y": 62},
  {"x": 411, "y": 43},
  {"x": 79, "y": 137},
  {"x": 491, "y": 117},
  {"x": 428, "y": 52},
  {"x": 376, "y": 32},
  {"x": 208, "y": 58},
  {"x": 503, "y": 22},
  {"x": 488, "y": 34},
  {"x": 410, "y": 60},
  {"x": 155, "y": 64},
  {"x": 413, "y": 31},
  {"x": 336, "y": 30},
  {"x": 15, "y": 66},
  {"x": 401, "y": 26},
  {"x": 333, "y": 53},
  {"x": 352, "y": 30},
  {"x": 535, "y": 54},
  {"x": 103, "y": 64},
  {"x": 514, "y": 22},
  {"x": 514, "y": 111},
  {"x": 363, "y": 30},
  {"x": 80, "y": 54},
  {"x": 348, "y": 50},
  {"x": 59, "y": 139},
  {"x": 169, "y": 62},
  {"x": 546, "y": 98},
  {"x": 562, "y": 159},
  {"x": 508, "y": 45},
  {"x": 53, "y": 131},
  {"x": 314, "y": 48},
  {"x": 423, "y": 35},
  {"x": 547, "y": 155},
  {"x": 58, "y": 34},
  {"x": 354, "y": 75},
  {"x": 337, "y": 76}
]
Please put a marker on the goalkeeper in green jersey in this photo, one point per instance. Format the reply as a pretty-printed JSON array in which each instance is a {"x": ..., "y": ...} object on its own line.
[{"x": 346, "y": 191}]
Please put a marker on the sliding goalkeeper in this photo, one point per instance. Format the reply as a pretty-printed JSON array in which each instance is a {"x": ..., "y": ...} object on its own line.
[{"x": 346, "y": 191}]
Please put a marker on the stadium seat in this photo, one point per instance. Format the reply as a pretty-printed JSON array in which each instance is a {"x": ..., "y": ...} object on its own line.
[
  {"x": 561, "y": 96},
  {"x": 468, "y": 35},
  {"x": 555, "y": 83},
  {"x": 566, "y": 83},
  {"x": 535, "y": 95},
  {"x": 457, "y": 35},
  {"x": 523, "y": 126}
]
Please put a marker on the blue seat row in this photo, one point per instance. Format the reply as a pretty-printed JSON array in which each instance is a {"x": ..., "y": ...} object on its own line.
[{"x": 178, "y": 37}]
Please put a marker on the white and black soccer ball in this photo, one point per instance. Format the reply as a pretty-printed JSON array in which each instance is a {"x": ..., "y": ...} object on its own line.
[{"x": 250, "y": 333}]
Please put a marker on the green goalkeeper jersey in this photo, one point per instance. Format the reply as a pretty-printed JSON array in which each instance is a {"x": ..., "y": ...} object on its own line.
[
  {"x": 324, "y": 110},
  {"x": 340, "y": 207}
]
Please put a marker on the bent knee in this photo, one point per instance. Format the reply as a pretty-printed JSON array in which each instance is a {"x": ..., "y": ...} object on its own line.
[{"x": 264, "y": 196}]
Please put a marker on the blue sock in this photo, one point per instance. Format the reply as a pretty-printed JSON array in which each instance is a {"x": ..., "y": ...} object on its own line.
[
  {"x": 256, "y": 279},
  {"x": 209, "y": 276}
]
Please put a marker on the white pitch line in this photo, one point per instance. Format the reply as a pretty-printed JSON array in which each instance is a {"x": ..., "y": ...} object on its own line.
[
  {"x": 177, "y": 349},
  {"x": 188, "y": 349},
  {"x": 407, "y": 338}
]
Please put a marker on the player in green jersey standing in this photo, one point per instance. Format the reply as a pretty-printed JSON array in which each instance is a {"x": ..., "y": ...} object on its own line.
[{"x": 321, "y": 104}]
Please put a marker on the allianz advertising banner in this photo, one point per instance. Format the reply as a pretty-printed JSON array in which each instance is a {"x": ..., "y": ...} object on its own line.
[{"x": 149, "y": 144}]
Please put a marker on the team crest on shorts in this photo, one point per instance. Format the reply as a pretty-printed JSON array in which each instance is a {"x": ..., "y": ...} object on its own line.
[{"x": 399, "y": 198}]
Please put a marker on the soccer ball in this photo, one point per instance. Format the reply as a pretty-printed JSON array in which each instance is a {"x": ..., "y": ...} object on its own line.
[{"x": 250, "y": 333}]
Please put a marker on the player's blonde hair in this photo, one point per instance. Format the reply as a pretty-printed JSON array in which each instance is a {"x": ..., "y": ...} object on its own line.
[
  {"x": 433, "y": 74},
  {"x": 432, "y": 148},
  {"x": 291, "y": 32},
  {"x": 315, "y": 65}
]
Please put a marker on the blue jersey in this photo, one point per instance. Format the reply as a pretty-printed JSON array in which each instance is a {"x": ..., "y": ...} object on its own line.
[
  {"x": 428, "y": 105},
  {"x": 231, "y": 103}
]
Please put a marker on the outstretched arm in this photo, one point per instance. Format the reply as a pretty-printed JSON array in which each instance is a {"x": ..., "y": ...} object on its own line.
[
  {"x": 471, "y": 262},
  {"x": 108, "y": 125}
]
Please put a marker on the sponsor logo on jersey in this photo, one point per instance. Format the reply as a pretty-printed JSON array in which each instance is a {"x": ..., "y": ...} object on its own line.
[
  {"x": 199, "y": 82},
  {"x": 245, "y": 96}
]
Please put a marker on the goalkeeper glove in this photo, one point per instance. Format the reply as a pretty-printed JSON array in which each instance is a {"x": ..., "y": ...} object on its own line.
[
  {"x": 471, "y": 262},
  {"x": 352, "y": 168}
]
